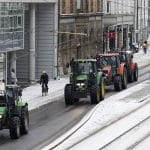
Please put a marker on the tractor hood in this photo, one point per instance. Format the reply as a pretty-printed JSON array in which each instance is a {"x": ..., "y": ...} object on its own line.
[
  {"x": 82, "y": 77},
  {"x": 3, "y": 110}
]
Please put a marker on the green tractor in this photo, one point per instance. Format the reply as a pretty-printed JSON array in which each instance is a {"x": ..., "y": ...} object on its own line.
[
  {"x": 85, "y": 80},
  {"x": 13, "y": 112}
]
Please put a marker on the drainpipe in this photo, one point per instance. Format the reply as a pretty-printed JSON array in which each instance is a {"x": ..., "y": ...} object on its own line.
[
  {"x": 13, "y": 60},
  {"x": 55, "y": 38},
  {"x": 32, "y": 44}
]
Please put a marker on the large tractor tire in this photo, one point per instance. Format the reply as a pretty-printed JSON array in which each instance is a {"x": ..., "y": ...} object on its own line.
[
  {"x": 136, "y": 73},
  {"x": 117, "y": 83},
  {"x": 124, "y": 80},
  {"x": 14, "y": 128},
  {"x": 102, "y": 90},
  {"x": 131, "y": 77},
  {"x": 68, "y": 95},
  {"x": 24, "y": 120},
  {"x": 94, "y": 94}
]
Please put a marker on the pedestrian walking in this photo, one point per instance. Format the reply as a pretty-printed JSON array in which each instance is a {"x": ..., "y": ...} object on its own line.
[
  {"x": 13, "y": 76},
  {"x": 145, "y": 46},
  {"x": 44, "y": 81}
]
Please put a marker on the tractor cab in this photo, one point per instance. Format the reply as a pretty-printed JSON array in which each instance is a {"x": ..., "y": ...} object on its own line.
[
  {"x": 13, "y": 111},
  {"x": 13, "y": 93},
  {"x": 126, "y": 56},
  {"x": 113, "y": 69},
  {"x": 84, "y": 66},
  {"x": 108, "y": 63}
]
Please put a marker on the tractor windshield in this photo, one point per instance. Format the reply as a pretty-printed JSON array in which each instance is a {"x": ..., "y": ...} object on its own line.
[
  {"x": 84, "y": 67},
  {"x": 122, "y": 57},
  {"x": 106, "y": 61}
]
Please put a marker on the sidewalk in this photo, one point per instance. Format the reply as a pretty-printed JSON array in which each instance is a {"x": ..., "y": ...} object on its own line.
[{"x": 34, "y": 97}]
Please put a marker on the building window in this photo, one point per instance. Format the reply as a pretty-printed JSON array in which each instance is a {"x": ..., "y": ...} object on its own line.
[
  {"x": 91, "y": 5},
  {"x": 108, "y": 6},
  {"x": 71, "y": 6},
  {"x": 63, "y": 7},
  {"x": 80, "y": 6},
  {"x": 86, "y": 6},
  {"x": 11, "y": 23}
]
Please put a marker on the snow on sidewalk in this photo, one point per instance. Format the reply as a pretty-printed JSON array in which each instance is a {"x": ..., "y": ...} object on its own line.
[{"x": 33, "y": 95}]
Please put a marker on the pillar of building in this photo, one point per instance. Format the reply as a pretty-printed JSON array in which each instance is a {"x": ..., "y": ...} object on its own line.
[
  {"x": 32, "y": 44},
  {"x": 127, "y": 37},
  {"x": 13, "y": 60},
  {"x": 108, "y": 48},
  {"x": 116, "y": 37},
  {"x": 122, "y": 36}
]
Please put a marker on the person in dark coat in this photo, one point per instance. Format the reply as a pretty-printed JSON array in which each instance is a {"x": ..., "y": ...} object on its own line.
[{"x": 44, "y": 79}]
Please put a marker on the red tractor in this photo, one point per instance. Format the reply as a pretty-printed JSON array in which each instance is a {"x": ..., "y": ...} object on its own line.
[
  {"x": 114, "y": 71},
  {"x": 132, "y": 67}
]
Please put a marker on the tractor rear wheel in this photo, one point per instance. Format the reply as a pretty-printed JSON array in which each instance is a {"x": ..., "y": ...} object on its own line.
[
  {"x": 68, "y": 95},
  {"x": 102, "y": 89},
  {"x": 117, "y": 83},
  {"x": 131, "y": 77},
  {"x": 124, "y": 80},
  {"x": 94, "y": 94},
  {"x": 136, "y": 73},
  {"x": 14, "y": 128},
  {"x": 24, "y": 120}
]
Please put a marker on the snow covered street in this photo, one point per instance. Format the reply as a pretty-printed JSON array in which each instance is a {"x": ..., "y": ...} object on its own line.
[
  {"x": 108, "y": 111},
  {"x": 90, "y": 133}
]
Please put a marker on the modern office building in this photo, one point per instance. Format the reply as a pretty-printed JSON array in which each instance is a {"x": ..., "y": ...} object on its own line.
[{"x": 28, "y": 38}]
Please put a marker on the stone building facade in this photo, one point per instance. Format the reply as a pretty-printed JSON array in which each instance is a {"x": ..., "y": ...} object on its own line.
[{"x": 80, "y": 30}]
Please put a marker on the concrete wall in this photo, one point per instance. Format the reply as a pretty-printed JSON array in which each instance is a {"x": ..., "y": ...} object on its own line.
[
  {"x": 45, "y": 35},
  {"x": 45, "y": 39}
]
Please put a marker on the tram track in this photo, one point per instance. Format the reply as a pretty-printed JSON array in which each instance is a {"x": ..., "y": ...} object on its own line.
[{"x": 58, "y": 142}]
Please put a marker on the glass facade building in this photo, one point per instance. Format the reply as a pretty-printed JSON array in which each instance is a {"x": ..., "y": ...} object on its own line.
[{"x": 11, "y": 26}]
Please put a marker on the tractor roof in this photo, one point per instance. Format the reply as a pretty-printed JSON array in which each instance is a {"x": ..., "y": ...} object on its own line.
[
  {"x": 85, "y": 60},
  {"x": 107, "y": 55},
  {"x": 128, "y": 52},
  {"x": 12, "y": 86}
]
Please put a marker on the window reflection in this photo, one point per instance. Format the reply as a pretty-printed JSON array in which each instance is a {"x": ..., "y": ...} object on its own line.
[{"x": 11, "y": 25}]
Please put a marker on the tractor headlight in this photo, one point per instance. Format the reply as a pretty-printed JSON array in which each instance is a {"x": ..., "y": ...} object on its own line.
[
  {"x": 1, "y": 116},
  {"x": 80, "y": 84}
]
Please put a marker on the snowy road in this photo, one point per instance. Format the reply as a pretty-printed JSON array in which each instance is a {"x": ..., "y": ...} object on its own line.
[
  {"x": 115, "y": 117},
  {"x": 121, "y": 134}
]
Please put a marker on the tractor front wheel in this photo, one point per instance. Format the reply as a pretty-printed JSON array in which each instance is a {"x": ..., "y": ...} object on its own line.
[
  {"x": 94, "y": 94},
  {"x": 136, "y": 73},
  {"x": 102, "y": 89},
  {"x": 131, "y": 77},
  {"x": 117, "y": 83},
  {"x": 24, "y": 120},
  {"x": 68, "y": 95},
  {"x": 14, "y": 128}
]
